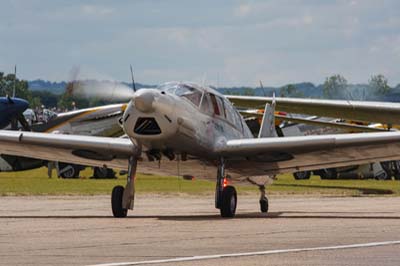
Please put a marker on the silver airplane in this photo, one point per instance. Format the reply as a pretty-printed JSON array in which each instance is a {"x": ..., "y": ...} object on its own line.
[{"x": 196, "y": 126}]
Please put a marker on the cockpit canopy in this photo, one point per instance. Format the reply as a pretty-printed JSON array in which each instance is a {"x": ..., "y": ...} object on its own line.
[
  {"x": 208, "y": 101},
  {"x": 189, "y": 91}
]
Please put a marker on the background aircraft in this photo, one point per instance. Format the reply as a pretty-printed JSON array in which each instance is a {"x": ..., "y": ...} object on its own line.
[
  {"x": 299, "y": 125},
  {"x": 95, "y": 121},
  {"x": 11, "y": 110},
  {"x": 190, "y": 123}
]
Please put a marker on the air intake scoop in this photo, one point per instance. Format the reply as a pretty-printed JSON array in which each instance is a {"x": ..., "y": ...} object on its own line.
[{"x": 147, "y": 126}]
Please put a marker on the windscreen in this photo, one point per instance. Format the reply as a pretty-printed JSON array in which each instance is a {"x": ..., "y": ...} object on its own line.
[{"x": 183, "y": 90}]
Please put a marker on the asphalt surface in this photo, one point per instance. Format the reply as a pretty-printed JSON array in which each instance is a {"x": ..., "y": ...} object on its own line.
[{"x": 81, "y": 231}]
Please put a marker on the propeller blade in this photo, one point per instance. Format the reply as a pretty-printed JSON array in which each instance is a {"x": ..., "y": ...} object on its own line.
[
  {"x": 109, "y": 90},
  {"x": 83, "y": 84}
]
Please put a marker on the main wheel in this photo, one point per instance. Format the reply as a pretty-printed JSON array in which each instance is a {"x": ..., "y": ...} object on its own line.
[
  {"x": 382, "y": 176},
  {"x": 69, "y": 170},
  {"x": 302, "y": 175},
  {"x": 116, "y": 202},
  {"x": 396, "y": 170},
  {"x": 229, "y": 200},
  {"x": 264, "y": 205}
]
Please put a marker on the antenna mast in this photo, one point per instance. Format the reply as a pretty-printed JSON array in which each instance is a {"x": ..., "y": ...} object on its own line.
[{"x": 133, "y": 80}]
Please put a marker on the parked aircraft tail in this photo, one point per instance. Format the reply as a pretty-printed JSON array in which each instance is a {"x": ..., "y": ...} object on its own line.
[{"x": 267, "y": 129}]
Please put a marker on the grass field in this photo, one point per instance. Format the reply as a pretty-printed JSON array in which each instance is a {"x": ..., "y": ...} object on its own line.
[{"x": 36, "y": 182}]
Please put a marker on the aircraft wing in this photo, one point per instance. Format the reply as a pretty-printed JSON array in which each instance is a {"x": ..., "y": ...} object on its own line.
[
  {"x": 83, "y": 150},
  {"x": 292, "y": 154},
  {"x": 381, "y": 112},
  {"x": 250, "y": 156},
  {"x": 343, "y": 126},
  {"x": 320, "y": 123}
]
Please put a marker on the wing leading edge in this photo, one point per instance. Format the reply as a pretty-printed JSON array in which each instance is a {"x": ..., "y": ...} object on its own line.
[
  {"x": 291, "y": 154},
  {"x": 386, "y": 112},
  {"x": 84, "y": 150},
  {"x": 251, "y": 156}
]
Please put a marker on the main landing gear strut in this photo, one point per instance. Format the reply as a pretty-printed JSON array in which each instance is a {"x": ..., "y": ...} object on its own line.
[
  {"x": 122, "y": 198},
  {"x": 225, "y": 196}
]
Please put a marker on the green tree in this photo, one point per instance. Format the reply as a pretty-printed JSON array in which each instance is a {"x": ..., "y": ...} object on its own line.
[
  {"x": 34, "y": 102},
  {"x": 47, "y": 98},
  {"x": 379, "y": 84},
  {"x": 291, "y": 91},
  {"x": 248, "y": 92},
  {"x": 7, "y": 86},
  {"x": 334, "y": 86}
]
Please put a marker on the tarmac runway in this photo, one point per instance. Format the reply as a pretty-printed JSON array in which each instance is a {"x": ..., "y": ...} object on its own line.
[{"x": 187, "y": 230}]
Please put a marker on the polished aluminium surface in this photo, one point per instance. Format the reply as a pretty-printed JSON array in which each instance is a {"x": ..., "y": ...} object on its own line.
[
  {"x": 381, "y": 112},
  {"x": 199, "y": 123}
]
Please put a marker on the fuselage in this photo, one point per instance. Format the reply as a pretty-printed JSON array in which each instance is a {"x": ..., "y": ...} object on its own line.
[{"x": 183, "y": 118}]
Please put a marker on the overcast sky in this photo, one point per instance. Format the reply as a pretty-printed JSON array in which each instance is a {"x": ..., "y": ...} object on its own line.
[{"x": 222, "y": 42}]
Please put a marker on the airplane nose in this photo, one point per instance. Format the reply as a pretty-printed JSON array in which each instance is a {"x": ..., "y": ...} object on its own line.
[{"x": 144, "y": 101}]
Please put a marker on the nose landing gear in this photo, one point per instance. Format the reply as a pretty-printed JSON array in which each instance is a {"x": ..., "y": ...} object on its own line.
[{"x": 122, "y": 198}]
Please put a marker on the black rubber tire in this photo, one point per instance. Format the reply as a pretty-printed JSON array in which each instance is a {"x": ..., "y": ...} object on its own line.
[
  {"x": 302, "y": 175},
  {"x": 383, "y": 176},
  {"x": 264, "y": 205},
  {"x": 388, "y": 168},
  {"x": 396, "y": 170},
  {"x": 229, "y": 202},
  {"x": 73, "y": 172},
  {"x": 116, "y": 202}
]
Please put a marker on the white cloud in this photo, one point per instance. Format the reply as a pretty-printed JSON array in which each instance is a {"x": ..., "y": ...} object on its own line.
[
  {"x": 96, "y": 10},
  {"x": 308, "y": 20},
  {"x": 278, "y": 41},
  {"x": 243, "y": 10}
]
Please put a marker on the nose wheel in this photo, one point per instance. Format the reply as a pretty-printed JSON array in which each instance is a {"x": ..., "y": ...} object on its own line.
[
  {"x": 122, "y": 198},
  {"x": 263, "y": 199},
  {"x": 116, "y": 202}
]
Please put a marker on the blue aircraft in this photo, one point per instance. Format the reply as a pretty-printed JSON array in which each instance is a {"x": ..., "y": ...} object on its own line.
[{"x": 11, "y": 109}]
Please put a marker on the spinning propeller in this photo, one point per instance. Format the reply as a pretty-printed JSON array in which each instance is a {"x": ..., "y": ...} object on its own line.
[{"x": 103, "y": 89}]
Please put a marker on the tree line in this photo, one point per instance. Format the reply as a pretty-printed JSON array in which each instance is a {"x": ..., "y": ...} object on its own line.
[
  {"x": 39, "y": 99},
  {"x": 334, "y": 87}
]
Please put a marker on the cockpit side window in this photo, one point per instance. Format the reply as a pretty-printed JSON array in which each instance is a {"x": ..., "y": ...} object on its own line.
[
  {"x": 215, "y": 104},
  {"x": 233, "y": 116},
  {"x": 238, "y": 120},
  {"x": 206, "y": 106},
  {"x": 221, "y": 106},
  {"x": 229, "y": 112}
]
